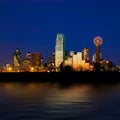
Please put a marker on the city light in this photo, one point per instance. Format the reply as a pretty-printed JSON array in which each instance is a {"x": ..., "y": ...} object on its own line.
[
  {"x": 10, "y": 69},
  {"x": 32, "y": 69},
  {"x": 75, "y": 60}
]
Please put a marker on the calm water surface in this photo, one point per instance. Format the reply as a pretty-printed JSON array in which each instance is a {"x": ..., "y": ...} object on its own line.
[{"x": 52, "y": 101}]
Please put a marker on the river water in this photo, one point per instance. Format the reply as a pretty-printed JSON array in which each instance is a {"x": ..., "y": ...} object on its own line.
[{"x": 54, "y": 101}]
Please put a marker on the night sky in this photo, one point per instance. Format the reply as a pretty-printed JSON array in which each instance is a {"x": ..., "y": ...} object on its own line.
[{"x": 32, "y": 26}]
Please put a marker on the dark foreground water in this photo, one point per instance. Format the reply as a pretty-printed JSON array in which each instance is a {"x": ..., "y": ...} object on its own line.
[{"x": 52, "y": 101}]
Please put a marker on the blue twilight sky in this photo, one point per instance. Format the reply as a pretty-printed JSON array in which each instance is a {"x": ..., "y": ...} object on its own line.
[{"x": 32, "y": 25}]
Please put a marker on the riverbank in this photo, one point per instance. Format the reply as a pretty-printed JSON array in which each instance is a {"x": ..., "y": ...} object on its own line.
[{"x": 81, "y": 77}]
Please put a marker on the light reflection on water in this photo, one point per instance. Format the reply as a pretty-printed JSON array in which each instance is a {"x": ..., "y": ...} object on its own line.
[{"x": 48, "y": 101}]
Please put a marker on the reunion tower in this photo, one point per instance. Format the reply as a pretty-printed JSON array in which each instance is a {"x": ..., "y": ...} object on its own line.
[{"x": 97, "y": 41}]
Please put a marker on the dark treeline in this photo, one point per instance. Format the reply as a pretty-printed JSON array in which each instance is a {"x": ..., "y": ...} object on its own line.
[{"x": 62, "y": 77}]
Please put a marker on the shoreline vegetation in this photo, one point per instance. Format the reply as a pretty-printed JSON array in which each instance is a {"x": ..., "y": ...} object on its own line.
[{"x": 61, "y": 77}]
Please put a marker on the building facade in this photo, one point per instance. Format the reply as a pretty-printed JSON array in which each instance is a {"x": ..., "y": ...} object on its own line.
[
  {"x": 16, "y": 60},
  {"x": 85, "y": 54},
  {"x": 26, "y": 63},
  {"x": 59, "y": 50},
  {"x": 36, "y": 60}
]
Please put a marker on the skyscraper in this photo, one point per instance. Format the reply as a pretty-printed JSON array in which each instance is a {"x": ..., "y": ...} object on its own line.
[
  {"x": 85, "y": 54},
  {"x": 28, "y": 55},
  {"x": 36, "y": 60},
  {"x": 59, "y": 50},
  {"x": 26, "y": 63},
  {"x": 16, "y": 60}
]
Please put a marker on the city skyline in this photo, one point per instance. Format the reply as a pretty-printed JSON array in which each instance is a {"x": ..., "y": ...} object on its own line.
[{"x": 32, "y": 26}]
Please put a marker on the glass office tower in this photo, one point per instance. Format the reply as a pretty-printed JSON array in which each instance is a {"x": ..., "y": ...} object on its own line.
[{"x": 59, "y": 51}]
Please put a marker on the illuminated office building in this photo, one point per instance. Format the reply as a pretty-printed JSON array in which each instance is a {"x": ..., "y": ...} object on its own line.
[
  {"x": 68, "y": 61},
  {"x": 36, "y": 60},
  {"x": 28, "y": 56},
  {"x": 94, "y": 57},
  {"x": 42, "y": 62},
  {"x": 85, "y": 54},
  {"x": 59, "y": 50},
  {"x": 72, "y": 53},
  {"x": 77, "y": 58},
  {"x": 16, "y": 60},
  {"x": 26, "y": 63}
]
